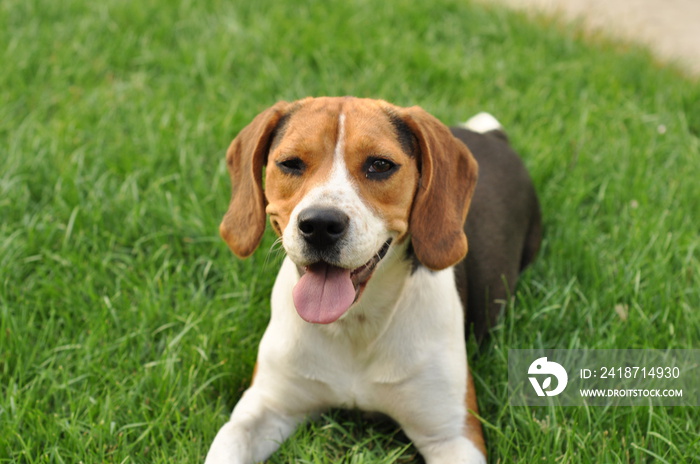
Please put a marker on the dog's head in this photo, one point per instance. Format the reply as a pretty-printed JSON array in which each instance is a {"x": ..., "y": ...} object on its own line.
[{"x": 346, "y": 179}]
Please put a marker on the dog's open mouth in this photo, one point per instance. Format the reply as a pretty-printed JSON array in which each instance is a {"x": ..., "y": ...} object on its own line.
[{"x": 325, "y": 292}]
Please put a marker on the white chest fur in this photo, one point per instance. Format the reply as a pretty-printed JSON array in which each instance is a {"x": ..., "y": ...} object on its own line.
[{"x": 408, "y": 329}]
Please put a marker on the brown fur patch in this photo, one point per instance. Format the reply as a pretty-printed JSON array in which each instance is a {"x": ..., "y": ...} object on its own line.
[
  {"x": 447, "y": 182},
  {"x": 473, "y": 426},
  {"x": 244, "y": 222}
]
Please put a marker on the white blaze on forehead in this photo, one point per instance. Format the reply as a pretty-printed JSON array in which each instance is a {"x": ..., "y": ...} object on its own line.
[
  {"x": 340, "y": 143},
  {"x": 339, "y": 176},
  {"x": 367, "y": 232},
  {"x": 338, "y": 185}
]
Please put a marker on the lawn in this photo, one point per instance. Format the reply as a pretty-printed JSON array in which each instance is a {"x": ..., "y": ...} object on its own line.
[{"x": 128, "y": 330}]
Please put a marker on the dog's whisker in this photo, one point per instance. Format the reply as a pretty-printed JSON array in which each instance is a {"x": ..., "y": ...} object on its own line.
[
  {"x": 275, "y": 250},
  {"x": 276, "y": 243}
]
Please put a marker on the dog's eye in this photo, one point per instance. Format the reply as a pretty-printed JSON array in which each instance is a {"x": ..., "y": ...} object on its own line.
[
  {"x": 293, "y": 166},
  {"x": 379, "y": 168}
]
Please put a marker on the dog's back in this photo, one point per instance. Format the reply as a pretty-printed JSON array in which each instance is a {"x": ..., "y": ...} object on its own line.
[{"x": 503, "y": 226}]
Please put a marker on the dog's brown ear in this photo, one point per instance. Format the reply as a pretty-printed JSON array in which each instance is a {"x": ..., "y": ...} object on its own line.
[
  {"x": 244, "y": 222},
  {"x": 447, "y": 182}
]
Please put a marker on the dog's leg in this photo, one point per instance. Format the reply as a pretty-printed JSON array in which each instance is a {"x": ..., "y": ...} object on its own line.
[
  {"x": 440, "y": 425},
  {"x": 254, "y": 432},
  {"x": 443, "y": 433}
]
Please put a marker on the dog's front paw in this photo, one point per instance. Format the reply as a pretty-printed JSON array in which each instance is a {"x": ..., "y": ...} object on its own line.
[
  {"x": 230, "y": 446},
  {"x": 457, "y": 451}
]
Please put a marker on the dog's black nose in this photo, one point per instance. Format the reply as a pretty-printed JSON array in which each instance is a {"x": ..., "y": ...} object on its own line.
[{"x": 323, "y": 227}]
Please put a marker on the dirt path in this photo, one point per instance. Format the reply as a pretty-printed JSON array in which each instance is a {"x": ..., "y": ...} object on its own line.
[{"x": 670, "y": 28}]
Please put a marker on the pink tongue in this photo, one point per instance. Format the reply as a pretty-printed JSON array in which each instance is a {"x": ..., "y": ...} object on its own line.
[{"x": 324, "y": 293}]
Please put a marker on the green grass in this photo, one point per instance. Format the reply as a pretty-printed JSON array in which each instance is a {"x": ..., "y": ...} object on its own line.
[{"x": 127, "y": 329}]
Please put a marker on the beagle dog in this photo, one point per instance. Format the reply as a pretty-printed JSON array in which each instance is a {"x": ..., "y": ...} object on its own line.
[{"x": 368, "y": 309}]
